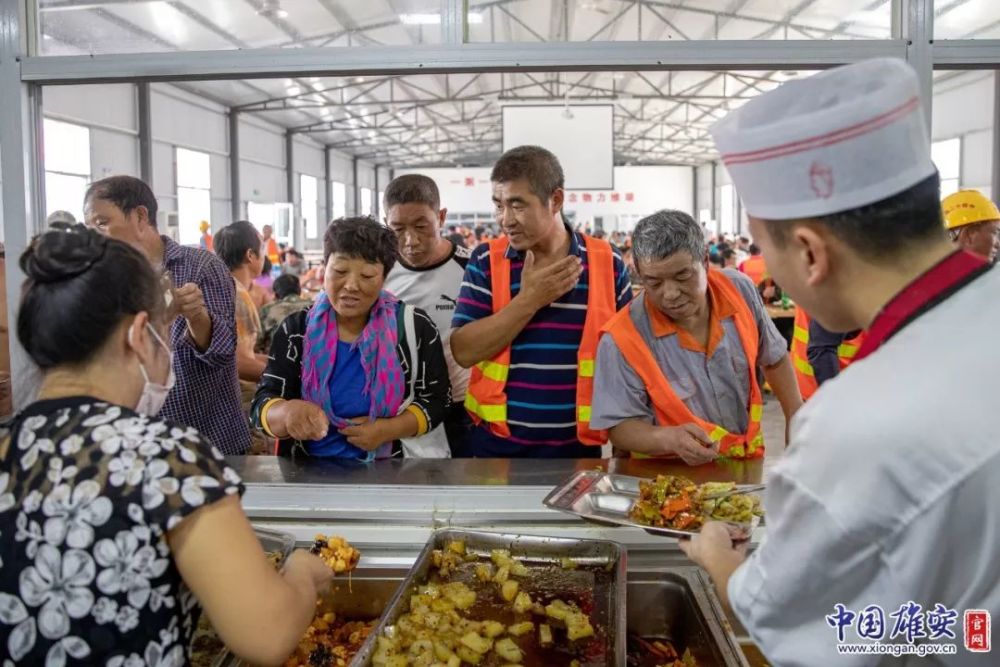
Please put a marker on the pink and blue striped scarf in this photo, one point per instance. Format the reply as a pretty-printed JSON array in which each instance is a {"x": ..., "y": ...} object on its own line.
[{"x": 385, "y": 384}]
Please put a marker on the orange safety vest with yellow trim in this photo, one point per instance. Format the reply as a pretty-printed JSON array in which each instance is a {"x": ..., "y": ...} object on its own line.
[
  {"x": 671, "y": 410},
  {"x": 486, "y": 400},
  {"x": 273, "y": 252},
  {"x": 800, "y": 354},
  {"x": 755, "y": 268}
]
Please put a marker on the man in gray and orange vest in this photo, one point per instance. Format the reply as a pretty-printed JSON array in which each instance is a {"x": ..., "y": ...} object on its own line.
[{"x": 677, "y": 369}]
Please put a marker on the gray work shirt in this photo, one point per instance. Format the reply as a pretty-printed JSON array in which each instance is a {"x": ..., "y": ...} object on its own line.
[{"x": 715, "y": 388}]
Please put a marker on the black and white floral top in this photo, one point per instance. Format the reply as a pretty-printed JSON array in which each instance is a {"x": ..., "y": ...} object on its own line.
[{"x": 88, "y": 491}]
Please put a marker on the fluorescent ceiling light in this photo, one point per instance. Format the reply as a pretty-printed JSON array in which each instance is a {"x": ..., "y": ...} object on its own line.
[
  {"x": 474, "y": 18},
  {"x": 293, "y": 90}
]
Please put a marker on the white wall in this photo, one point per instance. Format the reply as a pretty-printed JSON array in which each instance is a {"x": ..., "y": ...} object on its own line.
[
  {"x": 639, "y": 191},
  {"x": 307, "y": 158},
  {"x": 703, "y": 198},
  {"x": 963, "y": 107},
  {"x": 180, "y": 119},
  {"x": 110, "y": 112},
  {"x": 262, "y": 162},
  {"x": 342, "y": 171}
]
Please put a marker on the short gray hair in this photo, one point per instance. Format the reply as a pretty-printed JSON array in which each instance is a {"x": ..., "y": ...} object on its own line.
[{"x": 665, "y": 233}]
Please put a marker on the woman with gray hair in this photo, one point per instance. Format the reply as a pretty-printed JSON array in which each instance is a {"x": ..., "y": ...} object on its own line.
[{"x": 677, "y": 370}]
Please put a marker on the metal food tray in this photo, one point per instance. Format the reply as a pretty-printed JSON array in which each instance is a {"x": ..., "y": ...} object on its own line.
[
  {"x": 273, "y": 541},
  {"x": 679, "y": 605},
  {"x": 607, "y": 499},
  {"x": 609, "y": 612}
]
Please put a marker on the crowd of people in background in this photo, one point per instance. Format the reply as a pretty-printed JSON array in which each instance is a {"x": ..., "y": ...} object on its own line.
[{"x": 272, "y": 282}]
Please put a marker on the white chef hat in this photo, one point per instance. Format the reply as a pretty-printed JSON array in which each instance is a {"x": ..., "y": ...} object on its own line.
[{"x": 838, "y": 140}]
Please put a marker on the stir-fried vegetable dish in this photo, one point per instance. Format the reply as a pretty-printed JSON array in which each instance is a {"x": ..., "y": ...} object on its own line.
[{"x": 672, "y": 501}]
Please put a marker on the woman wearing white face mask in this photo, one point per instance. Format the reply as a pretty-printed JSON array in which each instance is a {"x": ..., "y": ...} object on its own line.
[{"x": 109, "y": 518}]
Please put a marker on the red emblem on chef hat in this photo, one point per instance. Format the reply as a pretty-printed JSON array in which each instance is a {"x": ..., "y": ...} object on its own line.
[{"x": 821, "y": 179}]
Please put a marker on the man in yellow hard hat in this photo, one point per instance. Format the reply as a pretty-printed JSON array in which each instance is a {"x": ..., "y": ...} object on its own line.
[
  {"x": 973, "y": 222},
  {"x": 206, "y": 242}
]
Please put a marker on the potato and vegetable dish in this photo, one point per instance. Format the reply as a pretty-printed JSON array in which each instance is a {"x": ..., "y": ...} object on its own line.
[
  {"x": 484, "y": 613},
  {"x": 672, "y": 501},
  {"x": 337, "y": 553},
  {"x": 330, "y": 641},
  {"x": 657, "y": 653}
]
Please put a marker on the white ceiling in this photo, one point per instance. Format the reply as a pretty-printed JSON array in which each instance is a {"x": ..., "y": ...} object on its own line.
[{"x": 661, "y": 117}]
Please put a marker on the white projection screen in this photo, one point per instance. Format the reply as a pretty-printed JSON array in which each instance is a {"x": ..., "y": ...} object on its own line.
[{"x": 583, "y": 142}]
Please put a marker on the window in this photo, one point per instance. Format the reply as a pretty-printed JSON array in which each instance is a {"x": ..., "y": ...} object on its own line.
[
  {"x": 278, "y": 215},
  {"x": 947, "y": 156},
  {"x": 67, "y": 167},
  {"x": 194, "y": 194},
  {"x": 366, "y": 201},
  {"x": 339, "y": 200},
  {"x": 309, "y": 201},
  {"x": 260, "y": 215},
  {"x": 380, "y": 203}
]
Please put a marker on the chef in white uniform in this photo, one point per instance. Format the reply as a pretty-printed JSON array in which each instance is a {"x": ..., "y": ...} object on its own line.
[{"x": 889, "y": 492}]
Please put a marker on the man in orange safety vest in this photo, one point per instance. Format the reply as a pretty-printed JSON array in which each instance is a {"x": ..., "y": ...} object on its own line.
[{"x": 677, "y": 369}]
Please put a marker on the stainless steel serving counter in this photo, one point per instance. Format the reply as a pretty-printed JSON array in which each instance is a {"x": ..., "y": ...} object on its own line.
[{"x": 388, "y": 508}]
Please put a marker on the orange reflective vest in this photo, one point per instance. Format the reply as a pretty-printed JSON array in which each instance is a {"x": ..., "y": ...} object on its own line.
[
  {"x": 671, "y": 410},
  {"x": 273, "y": 252},
  {"x": 486, "y": 400},
  {"x": 800, "y": 354},
  {"x": 755, "y": 269}
]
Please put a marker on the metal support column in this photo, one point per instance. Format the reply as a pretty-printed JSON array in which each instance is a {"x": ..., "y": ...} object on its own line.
[
  {"x": 914, "y": 22},
  {"x": 995, "y": 175},
  {"x": 377, "y": 208},
  {"x": 23, "y": 177},
  {"x": 290, "y": 185},
  {"x": 694, "y": 193},
  {"x": 328, "y": 187},
  {"x": 235, "y": 194},
  {"x": 145, "y": 133},
  {"x": 355, "y": 186},
  {"x": 715, "y": 210},
  {"x": 290, "y": 166},
  {"x": 454, "y": 21}
]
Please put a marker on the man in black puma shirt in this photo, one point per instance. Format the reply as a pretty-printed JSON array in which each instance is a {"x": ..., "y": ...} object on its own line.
[{"x": 429, "y": 276}]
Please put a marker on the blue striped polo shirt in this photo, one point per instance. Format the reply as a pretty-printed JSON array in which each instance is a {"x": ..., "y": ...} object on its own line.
[{"x": 541, "y": 385}]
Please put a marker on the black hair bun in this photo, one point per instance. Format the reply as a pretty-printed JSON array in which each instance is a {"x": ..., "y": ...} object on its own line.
[{"x": 56, "y": 256}]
